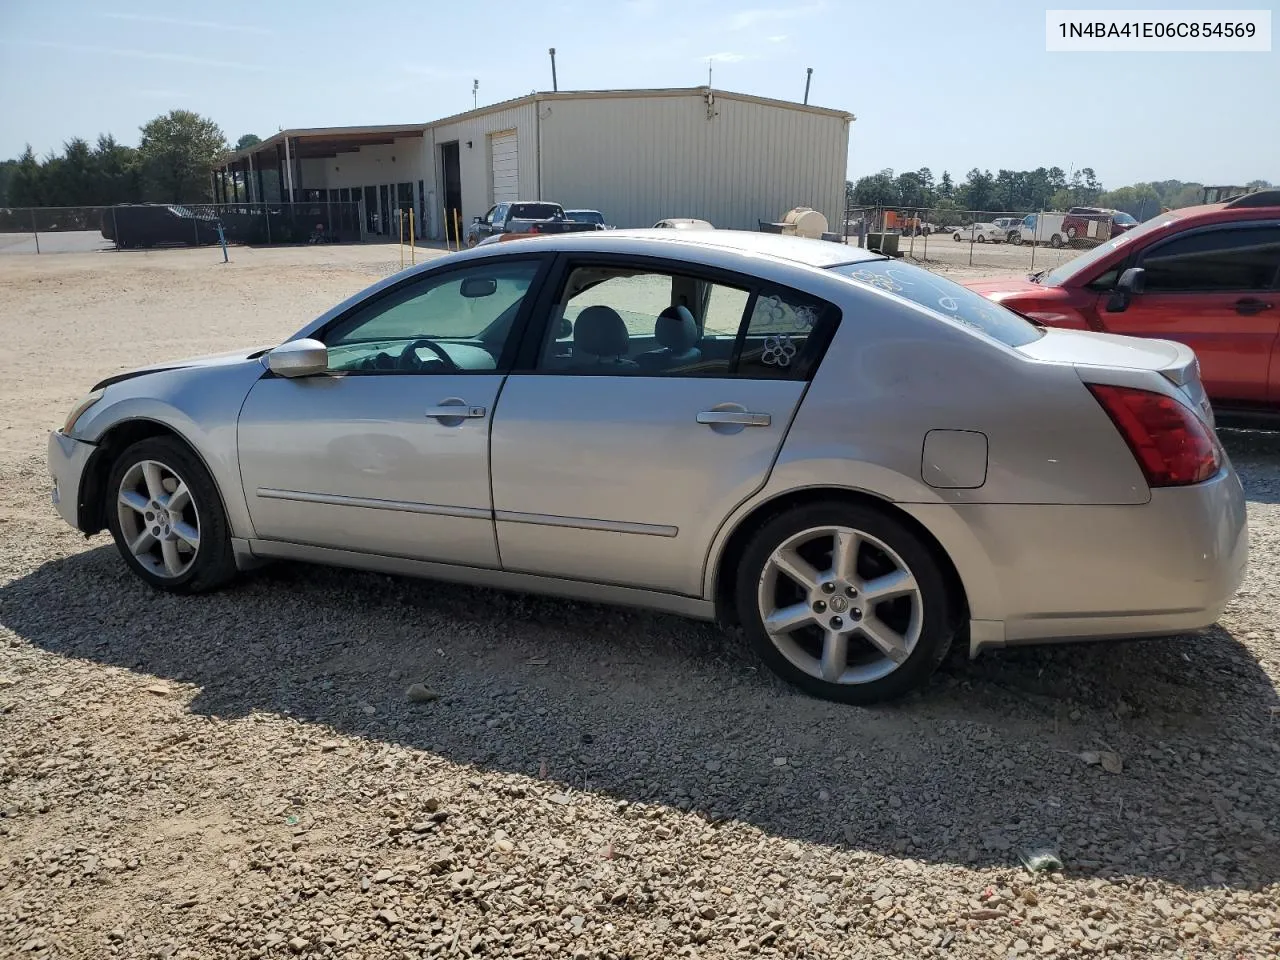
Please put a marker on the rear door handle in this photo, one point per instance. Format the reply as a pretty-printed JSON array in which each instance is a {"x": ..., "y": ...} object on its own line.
[
  {"x": 1251, "y": 305},
  {"x": 740, "y": 417}
]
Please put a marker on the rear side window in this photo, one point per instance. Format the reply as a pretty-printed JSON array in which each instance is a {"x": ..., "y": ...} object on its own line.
[
  {"x": 945, "y": 297},
  {"x": 1238, "y": 258},
  {"x": 784, "y": 336}
]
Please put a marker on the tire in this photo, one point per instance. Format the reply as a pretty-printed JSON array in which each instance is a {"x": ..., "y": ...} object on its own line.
[
  {"x": 1055, "y": 241},
  {"x": 167, "y": 464},
  {"x": 917, "y": 626},
  {"x": 981, "y": 238},
  {"x": 956, "y": 237},
  {"x": 1071, "y": 233},
  {"x": 1015, "y": 239}
]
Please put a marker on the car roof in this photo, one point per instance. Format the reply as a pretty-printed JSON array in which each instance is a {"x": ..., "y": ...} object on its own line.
[{"x": 657, "y": 242}]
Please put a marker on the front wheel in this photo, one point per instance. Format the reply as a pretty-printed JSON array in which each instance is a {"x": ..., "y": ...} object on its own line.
[
  {"x": 845, "y": 602},
  {"x": 1055, "y": 241},
  {"x": 981, "y": 238},
  {"x": 167, "y": 518},
  {"x": 956, "y": 237}
]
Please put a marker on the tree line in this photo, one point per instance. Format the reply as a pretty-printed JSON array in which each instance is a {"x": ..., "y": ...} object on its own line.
[
  {"x": 171, "y": 164},
  {"x": 1044, "y": 188}
]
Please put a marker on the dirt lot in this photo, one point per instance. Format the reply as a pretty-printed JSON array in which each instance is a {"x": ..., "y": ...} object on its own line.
[{"x": 243, "y": 775}]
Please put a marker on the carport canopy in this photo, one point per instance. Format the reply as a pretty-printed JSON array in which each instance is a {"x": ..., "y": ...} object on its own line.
[{"x": 277, "y": 151}]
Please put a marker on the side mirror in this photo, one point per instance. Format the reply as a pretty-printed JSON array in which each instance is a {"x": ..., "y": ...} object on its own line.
[
  {"x": 1131, "y": 283},
  {"x": 477, "y": 219},
  {"x": 299, "y": 358}
]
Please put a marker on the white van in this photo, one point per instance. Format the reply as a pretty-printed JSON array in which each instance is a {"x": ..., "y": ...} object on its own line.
[{"x": 1043, "y": 228}]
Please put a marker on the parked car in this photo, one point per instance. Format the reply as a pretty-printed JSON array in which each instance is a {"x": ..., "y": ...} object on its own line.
[
  {"x": 524, "y": 216},
  {"x": 663, "y": 419},
  {"x": 682, "y": 223},
  {"x": 1206, "y": 276},
  {"x": 137, "y": 225},
  {"x": 1010, "y": 228},
  {"x": 588, "y": 216},
  {"x": 979, "y": 233}
]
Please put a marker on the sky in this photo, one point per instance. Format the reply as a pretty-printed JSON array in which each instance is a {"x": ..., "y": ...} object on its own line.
[{"x": 947, "y": 85}]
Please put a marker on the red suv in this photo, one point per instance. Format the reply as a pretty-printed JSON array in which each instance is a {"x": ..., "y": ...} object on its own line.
[{"x": 1206, "y": 276}]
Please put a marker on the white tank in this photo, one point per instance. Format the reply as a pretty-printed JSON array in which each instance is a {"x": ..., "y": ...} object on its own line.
[{"x": 805, "y": 222}]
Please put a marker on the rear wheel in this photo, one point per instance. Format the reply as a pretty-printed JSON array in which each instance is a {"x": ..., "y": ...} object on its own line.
[
  {"x": 981, "y": 238},
  {"x": 845, "y": 602},
  {"x": 167, "y": 518},
  {"x": 1055, "y": 241},
  {"x": 956, "y": 237}
]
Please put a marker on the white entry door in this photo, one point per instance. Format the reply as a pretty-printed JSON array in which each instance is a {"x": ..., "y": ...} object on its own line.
[{"x": 506, "y": 171}]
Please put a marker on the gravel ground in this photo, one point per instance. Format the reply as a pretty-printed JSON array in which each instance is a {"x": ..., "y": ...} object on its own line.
[{"x": 326, "y": 763}]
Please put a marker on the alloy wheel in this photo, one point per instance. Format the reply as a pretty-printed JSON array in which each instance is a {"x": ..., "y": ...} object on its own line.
[
  {"x": 158, "y": 519},
  {"x": 840, "y": 605}
]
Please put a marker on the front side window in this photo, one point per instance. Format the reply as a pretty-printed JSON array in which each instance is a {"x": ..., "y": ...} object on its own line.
[
  {"x": 642, "y": 322},
  {"x": 454, "y": 322},
  {"x": 1232, "y": 258}
]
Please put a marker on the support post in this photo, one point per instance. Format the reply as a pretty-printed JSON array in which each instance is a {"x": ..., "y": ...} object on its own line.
[
  {"x": 115, "y": 227},
  {"x": 35, "y": 230}
]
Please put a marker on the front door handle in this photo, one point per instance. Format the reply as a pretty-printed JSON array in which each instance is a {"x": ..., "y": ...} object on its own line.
[
  {"x": 1251, "y": 305},
  {"x": 740, "y": 417},
  {"x": 455, "y": 410}
]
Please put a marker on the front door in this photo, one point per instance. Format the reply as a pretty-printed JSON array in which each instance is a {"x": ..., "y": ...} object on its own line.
[
  {"x": 388, "y": 452},
  {"x": 656, "y": 403},
  {"x": 1214, "y": 290}
]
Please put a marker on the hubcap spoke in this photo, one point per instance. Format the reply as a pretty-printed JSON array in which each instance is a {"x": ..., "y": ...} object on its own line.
[
  {"x": 188, "y": 533},
  {"x": 844, "y": 557},
  {"x": 172, "y": 560},
  {"x": 790, "y": 618},
  {"x": 797, "y": 568},
  {"x": 142, "y": 543},
  {"x": 891, "y": 644},
  {"x": 134, "y": 501},
  {"x": 835, "y": 655},
  {"x": 900, "y": 583},
  {"x": 155, "y": 481},
  {"x": 179, "y": 499}
]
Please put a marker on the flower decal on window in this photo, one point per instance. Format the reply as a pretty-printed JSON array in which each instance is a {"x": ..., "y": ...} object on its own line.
[{"x": 778, "y": 351}]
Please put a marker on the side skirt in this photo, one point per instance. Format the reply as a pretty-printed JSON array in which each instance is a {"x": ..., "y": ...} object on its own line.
[{"x": 258, "y": 550}]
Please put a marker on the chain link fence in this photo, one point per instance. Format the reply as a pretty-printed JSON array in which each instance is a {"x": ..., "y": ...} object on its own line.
[
  {"x": 41, "y": 230},
  {"x": 1013, "y": 241}
]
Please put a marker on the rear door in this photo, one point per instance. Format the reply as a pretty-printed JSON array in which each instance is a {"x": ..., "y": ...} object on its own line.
[
  {"x": 616, "y": 454},
  {"x": 1213, "y": 289}
]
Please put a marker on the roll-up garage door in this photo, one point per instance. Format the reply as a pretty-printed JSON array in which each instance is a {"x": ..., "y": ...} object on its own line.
[{"x": 506, "y": 174}]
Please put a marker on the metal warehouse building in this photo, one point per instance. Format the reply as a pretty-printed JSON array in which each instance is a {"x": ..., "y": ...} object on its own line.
[{"x": 636, "y": 155}]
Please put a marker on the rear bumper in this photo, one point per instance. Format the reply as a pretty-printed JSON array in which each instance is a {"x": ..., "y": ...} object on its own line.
[
  {"x": 1065, "y": 573},
  {"x": 67, "y": 460}
]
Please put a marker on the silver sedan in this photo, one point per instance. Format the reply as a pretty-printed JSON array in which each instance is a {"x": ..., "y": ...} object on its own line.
[{"x": 852, "y": 460}]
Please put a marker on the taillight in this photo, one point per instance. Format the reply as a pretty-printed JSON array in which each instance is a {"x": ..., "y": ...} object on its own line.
[
  {"x": 1172, "y": 445},
  {"x": 535, "y": 229}
]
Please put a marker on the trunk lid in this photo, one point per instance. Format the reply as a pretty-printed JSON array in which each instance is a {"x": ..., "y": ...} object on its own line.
[{"x": 1175, "y": 362}]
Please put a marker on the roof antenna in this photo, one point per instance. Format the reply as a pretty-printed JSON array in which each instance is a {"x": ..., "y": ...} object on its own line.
[
  {"x": 555, "y": 87},
  {"x": 475, "y": 94},
  {"x": 808, "y": 75},
  {"x": 708, "y": 71}
]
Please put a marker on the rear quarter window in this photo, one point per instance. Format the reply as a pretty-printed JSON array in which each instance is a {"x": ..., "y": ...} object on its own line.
[{"x": 944, "y": 297}]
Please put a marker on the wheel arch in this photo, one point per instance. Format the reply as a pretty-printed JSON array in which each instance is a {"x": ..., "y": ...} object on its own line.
[
  {"x": 114, "y": 441},
  {"x": 723, "y": 567}
]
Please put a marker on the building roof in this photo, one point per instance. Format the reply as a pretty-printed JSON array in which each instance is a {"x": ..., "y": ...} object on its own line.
[{"x": 329, "y": 141}]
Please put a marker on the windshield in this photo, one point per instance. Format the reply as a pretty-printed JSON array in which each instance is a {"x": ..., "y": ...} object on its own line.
[
  {"x": 945, "y": 297},
  {"x": 1060, "y": 275},
  {"x": 1125, "y": 219},
  {"x": 534, "y": 211},
  {"x": 585, "y": 216}
]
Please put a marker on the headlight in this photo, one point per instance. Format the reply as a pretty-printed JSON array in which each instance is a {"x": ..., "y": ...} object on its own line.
[{"x": 79, "y": 410}]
